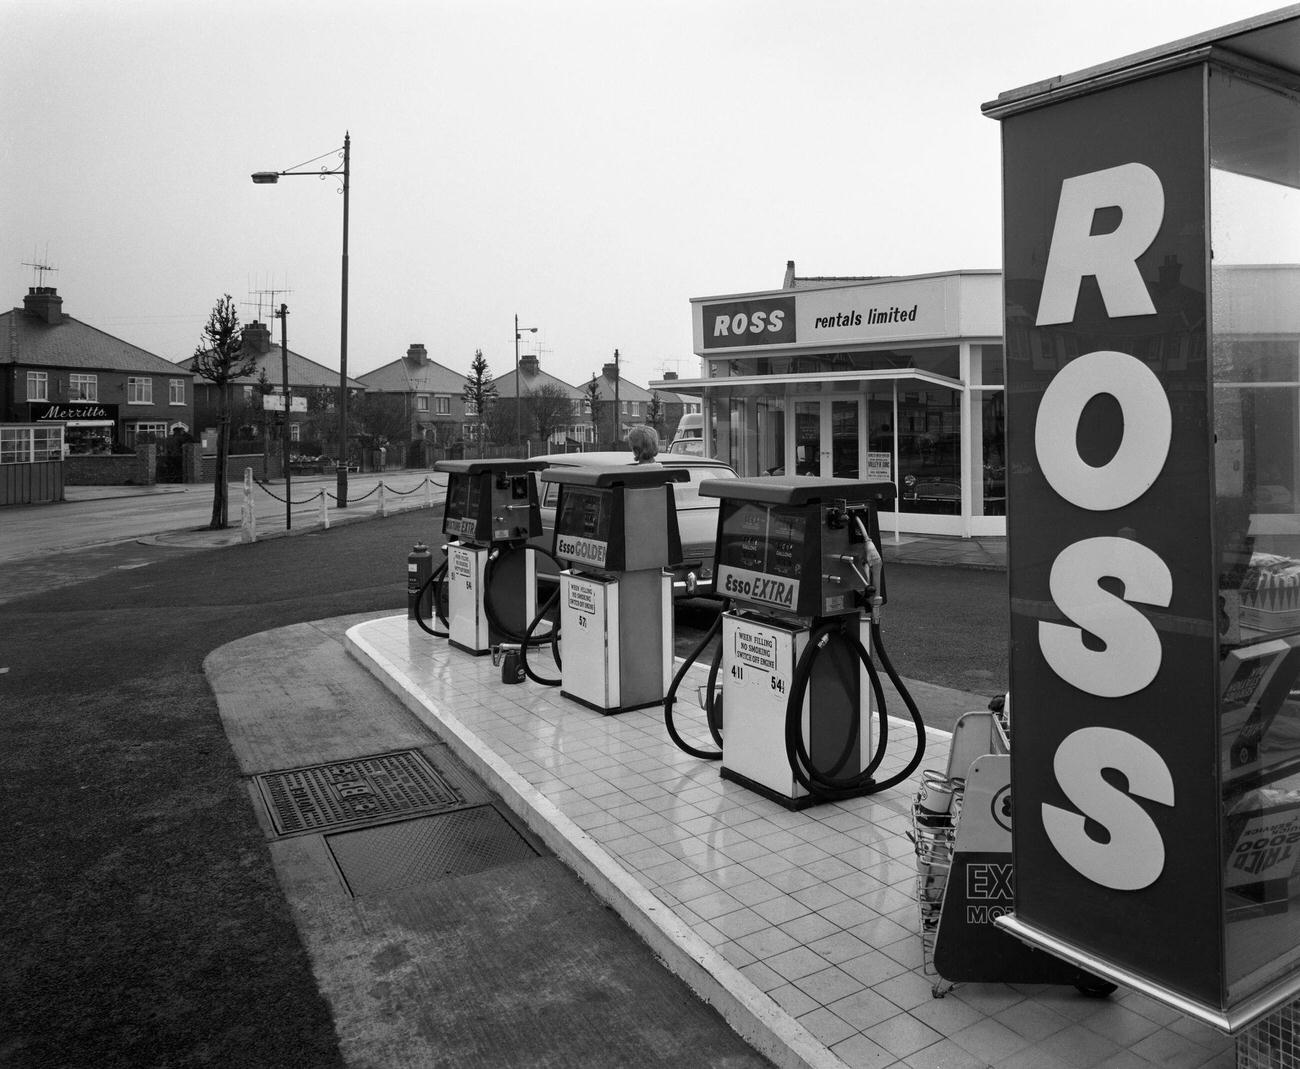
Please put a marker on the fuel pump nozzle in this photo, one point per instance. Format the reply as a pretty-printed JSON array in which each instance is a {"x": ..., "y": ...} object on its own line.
[{"x": 875, "y": 565}]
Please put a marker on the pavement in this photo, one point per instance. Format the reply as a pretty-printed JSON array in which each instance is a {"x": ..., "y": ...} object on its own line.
[{"x": 800, "y": 928}]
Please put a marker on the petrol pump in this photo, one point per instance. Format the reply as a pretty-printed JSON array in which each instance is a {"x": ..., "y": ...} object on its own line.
[
  {"x": 491, "y": 512},
  {"x": 798, "y": 558},
  {"x": 616, "y": 530}
]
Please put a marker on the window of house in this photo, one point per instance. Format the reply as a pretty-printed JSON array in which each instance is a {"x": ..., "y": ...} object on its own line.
[
  {"x": 83, "y": 387},
  {"x": 469, "y": 431},
  {"x": 442, "y": 406},
  {"x": 38, "y": 386},
  {"x": 145, "y": 430},
  {"x": 295, "y": 432},
  {"x": 422, "y": 402},
  {"x": 25, "y": 445},
  {"x": 176, "y": 391},
  {"x": 471, "y": 407},
  {"x": 139, "y": 390}
]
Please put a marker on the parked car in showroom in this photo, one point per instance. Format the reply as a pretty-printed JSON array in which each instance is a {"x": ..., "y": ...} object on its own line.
[{"x": 697, "y": 517}]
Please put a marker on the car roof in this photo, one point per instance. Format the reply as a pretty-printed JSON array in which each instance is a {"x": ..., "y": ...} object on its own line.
[{"x": 616, "y": 456}]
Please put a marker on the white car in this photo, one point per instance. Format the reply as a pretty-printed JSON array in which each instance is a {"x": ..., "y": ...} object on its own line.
[{"x": 697, "y": 517}]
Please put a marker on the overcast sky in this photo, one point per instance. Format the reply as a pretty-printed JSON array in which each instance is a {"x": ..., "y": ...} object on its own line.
[{"x": 587, "y": 165}]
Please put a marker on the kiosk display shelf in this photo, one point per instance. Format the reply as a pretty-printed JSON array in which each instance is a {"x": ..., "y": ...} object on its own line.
[{"x": 961, "y": 829}]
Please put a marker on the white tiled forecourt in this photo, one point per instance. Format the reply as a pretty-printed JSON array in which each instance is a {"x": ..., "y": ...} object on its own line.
[{"x": 801, "y": 927}]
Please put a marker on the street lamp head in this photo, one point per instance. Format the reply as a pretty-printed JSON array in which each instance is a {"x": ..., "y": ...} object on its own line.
[{"x": 265, "y": 178}]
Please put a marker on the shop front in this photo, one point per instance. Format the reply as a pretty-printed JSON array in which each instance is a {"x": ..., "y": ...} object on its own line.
[
  {"x": 90, "y": 427},
  {"x": 895, "y": 379}
]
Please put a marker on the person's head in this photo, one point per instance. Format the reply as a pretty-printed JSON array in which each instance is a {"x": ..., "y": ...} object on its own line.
[{"x": 644, "y": 442}]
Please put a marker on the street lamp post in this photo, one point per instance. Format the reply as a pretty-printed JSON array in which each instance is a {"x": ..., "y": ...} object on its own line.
[
  {"x": 283, "y": 316},
  {"x": 344, "y": 172},
  {"x": 519, "y": 389}
]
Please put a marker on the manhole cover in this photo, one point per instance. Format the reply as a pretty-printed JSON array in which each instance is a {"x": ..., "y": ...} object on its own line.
[
  {"x": 321, "y": 797},
  {"x": 440, "y": 847}
]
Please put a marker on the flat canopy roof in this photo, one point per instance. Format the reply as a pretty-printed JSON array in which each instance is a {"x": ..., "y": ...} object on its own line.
[
  {"x": 1271, "y": 40},
  {"x": 692, "y": 387}
]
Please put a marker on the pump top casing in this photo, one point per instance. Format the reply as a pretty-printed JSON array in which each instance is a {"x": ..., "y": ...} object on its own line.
[
  {"x": 793, "y": 544},
  {"x": 617, "y": 517},
  {"x": 491, "y": 501}
]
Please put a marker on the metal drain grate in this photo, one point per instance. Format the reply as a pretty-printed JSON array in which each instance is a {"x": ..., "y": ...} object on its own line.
[
  {"x": 321, "y": 797},
  {"x": 441, "y": 847}
]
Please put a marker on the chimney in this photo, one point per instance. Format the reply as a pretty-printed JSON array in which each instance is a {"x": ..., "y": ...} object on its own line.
[
  {"x": 257, "y": 337},
  {"x": 528, "y": 364},
  {"x": 669, "y": 375},
  {"x": 417, "y": 354},
  {"x": 44, "y": 302},
  {"x": 610, "y": 371},
  {"x": 788, "y": 284}
]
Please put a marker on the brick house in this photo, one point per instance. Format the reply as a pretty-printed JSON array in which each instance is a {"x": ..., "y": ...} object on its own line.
[{"x": 109, "y": 393}]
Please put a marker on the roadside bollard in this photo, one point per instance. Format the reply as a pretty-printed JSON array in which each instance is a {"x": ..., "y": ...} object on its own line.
[{"x": 419, "y": 569}]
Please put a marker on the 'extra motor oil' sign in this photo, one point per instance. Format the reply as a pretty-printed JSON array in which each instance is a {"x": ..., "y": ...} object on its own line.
[{"x": 1112, "y": 628}]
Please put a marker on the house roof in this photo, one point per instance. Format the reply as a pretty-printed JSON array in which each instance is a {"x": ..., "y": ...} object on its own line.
[
  {"x": 627, "y": 390},
  {"x": 32, "y": 341},
  {"x": 407, "y": 376},
  {"x": 303, "y": 372},
  {"x": 505, "y": 384}
]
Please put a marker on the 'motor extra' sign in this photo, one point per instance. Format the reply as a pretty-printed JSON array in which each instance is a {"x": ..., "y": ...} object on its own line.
[{"x": 1115, "y": 810}]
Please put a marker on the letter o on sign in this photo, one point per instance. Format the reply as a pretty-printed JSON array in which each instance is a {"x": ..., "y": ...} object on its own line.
[
  {"x": 739, "y": 322},
  {"x": 1147, "y": 431}
]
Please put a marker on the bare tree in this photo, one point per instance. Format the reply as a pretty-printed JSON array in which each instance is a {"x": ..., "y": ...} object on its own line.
[
  {"x": 549, "y": 408},
  {"x": 221, "y": 359},
  {"x": 655, "y": 412},
  {"x": 480, "y": 392},
  {"x": 591, "y": 401}
]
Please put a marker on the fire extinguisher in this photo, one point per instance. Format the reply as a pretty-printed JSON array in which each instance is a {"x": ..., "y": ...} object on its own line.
[{"x": 419, "y": 569}]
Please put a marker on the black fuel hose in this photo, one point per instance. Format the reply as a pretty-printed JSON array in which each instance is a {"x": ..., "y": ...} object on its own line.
[
  {"x": 440, "y": 571},
  {"x": 827, "y": 785},
  {"x": 550, "y": 639},
  {"x": 713, "y": 713}
]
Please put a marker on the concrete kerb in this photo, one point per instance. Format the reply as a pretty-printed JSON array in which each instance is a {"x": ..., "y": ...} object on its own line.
[{"x": 754, "y": 1016}]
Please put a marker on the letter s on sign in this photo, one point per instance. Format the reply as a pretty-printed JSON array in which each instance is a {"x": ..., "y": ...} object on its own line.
[
  {"x": 775, "y": 319},
  {"x": 1134, "y": 855},
  {"x": 756, "y": 323},
  {"x": 1132, "y": 655}
]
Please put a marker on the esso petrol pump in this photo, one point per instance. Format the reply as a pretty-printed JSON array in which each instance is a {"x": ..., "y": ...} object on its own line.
[
  {"x": 799, "y": 559},
  {"x": 491, "y": 512},
  {"x": 616, "y": 530}
]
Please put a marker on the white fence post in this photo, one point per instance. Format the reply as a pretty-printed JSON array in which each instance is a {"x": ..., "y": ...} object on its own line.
[
  {"x": 428, "y": 492},
  {"x": 382, "y": 511},
  {"x": 247, "y": 518},
  {"x": 324, "y": 510}
]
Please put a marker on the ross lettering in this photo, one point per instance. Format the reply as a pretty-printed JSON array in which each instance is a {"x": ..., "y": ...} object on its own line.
[
  {"x": 1128, "y": 854},
  {"x": 1111, "y": 259},
  {"x": 1132, "y": 653},
  {"x": 1144, "y": 445},
  {"x": 1133, "y": 853}
]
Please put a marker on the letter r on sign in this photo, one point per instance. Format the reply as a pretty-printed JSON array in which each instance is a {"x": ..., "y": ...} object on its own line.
[{"x": 1111, "y": 258}]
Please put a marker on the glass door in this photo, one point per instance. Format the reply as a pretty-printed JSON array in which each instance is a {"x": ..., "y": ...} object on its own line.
[{"x": 825, "y": 438}]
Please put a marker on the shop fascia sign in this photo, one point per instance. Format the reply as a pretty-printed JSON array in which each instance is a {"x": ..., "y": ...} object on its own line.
[
  {"x": 817, "y": 317},
  {"x": 74, "y": 410}
]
